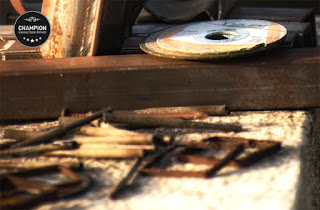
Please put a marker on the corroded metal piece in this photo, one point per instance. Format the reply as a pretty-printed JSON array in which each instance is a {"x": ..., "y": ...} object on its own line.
[
  {"x": 235, "y": 146},
  {"x": 215, "y": 110},
  {"x": 38, "y": 89},
  {"x": 60, "y": 131},
  {"x": 27, "y": 188},
  {"x": 139, "y": 164},
  {"x": 86, "y": 28},
  {"x": 214, "y": 169},
  {"x": 32, "y": 150},
  {"x": 149, "y": 122}
]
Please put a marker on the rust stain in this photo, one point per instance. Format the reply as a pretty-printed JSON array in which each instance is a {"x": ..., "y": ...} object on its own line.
[{"x": 54, "y": 44}]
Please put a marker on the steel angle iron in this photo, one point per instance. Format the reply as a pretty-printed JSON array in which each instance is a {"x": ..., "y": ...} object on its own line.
[{"x": 214, "y": 40}]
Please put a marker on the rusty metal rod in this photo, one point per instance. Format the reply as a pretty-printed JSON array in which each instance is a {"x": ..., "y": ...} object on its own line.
[
  {"x": 259, "y": 155},
  {"x": 123, "y": 139},
  {"x": 196, "y": 159},
  {"x": 6, "y": 145},
  {"x": 60, "y": 131},
  {"x": 139, "y": 165},
  {"x": 96, "y": 135},
  {"x": 37, "y": 149},
  {"x": 229, "y": 157},
  {"x": 166, "y": 122},
  {"x": 97, "y": 153},
  {"x": 18, "y": 165},
  {"x": 107, "y": 131},
  {"x": 173, "y": 173},
  {"x": 209, "y": 110},
  {"x": 186, "y": 116},
  {"x": 103, "y": 146},
  {"x": 238, "y": 163},
  {"x": 67, "y": 120},
  {"x": 21, "y": 134},
  {"x": 133, "y": 172}
]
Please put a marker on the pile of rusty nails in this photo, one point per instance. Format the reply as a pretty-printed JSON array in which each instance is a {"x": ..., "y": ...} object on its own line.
[{"x": 100, "y": 138}]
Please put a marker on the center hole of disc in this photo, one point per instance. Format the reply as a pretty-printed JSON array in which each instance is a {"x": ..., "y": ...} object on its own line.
[{"x": 221, "y": 35}]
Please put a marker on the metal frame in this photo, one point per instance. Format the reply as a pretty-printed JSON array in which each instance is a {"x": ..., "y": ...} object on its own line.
[
  {"x": 235, "y": 146},
  {"x": 16, "y": 184}
]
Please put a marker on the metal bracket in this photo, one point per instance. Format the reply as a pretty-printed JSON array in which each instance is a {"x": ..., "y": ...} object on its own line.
[
  {"x": 235, "y": 146},
  {"x": 24, "y": 189}
]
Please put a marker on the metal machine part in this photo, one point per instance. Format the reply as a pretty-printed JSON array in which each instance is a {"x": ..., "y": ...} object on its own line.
[
  {"x": 86, "y": 28},
  {"x": 186, "y": 10}
]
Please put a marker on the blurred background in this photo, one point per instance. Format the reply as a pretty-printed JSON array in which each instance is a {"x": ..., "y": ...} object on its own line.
[{"x": 8, "y": 14}]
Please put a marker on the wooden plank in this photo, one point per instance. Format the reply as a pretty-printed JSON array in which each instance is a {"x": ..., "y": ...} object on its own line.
[{"x": 39, "y": 88}]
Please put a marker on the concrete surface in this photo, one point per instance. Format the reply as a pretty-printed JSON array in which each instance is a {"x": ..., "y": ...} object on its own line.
[{"x": 287, "y": 180}]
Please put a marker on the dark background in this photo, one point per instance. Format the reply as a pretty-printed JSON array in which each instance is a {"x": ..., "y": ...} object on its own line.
[{"x": 8, "y": 15}]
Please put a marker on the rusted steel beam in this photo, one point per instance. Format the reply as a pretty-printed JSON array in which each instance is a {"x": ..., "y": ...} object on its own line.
[{"x": 39, "y": 89}]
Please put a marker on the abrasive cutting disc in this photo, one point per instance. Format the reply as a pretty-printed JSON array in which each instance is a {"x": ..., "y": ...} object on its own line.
[{"x": 214, "y": 39}]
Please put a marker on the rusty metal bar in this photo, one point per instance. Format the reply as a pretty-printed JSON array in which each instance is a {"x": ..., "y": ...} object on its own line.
[
  {"x": 173, "y": 173},
  {"x": 235, "y": 152},
  {"x": 186, "y": 116},
  {"x": 97, "y": 153},
  {"x": 130, "y": 176},
  {"x": 139, "y": 165},
  {"x": 209, "y": 110},
  {"x": 39, "y": 89},
  {"x": 22, "y": 182},
  {"x": 144, "y": 121},
  {"x": 21, "y": 134},
  {"x": 237, "y": 147},
  {"x": 38, "y": 149},
  {"x": 265, "y": 149},
  {"x": 60, "y": 131},
  {"x": 17, "y": 164},
  {"x": 223, "y": 162}
]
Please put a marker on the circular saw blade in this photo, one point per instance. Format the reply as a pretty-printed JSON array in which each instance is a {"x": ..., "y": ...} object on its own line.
[{"x": 214, "y": 39}]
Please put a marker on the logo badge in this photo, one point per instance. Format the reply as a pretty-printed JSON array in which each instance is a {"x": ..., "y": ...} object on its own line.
[{"x": 32, "y": 29}]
